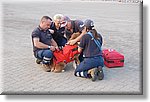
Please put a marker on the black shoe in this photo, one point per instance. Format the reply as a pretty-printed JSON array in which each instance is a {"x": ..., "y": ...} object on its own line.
[
  {"x": 100, "y": 73},
  {"x": 38, "y": 61},
  {"x": 93, "y": 72}
]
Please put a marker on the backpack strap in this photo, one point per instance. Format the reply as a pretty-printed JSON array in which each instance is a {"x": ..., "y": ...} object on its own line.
[{"x": 96, "y": 41}]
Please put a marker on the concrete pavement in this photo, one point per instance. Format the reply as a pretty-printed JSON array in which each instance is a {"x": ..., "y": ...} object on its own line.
[{"x": 119, "y": 25}]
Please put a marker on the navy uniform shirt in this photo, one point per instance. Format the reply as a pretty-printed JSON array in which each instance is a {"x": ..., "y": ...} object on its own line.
[
  {"x": 89, "y": 47},
  {"x": 44, "y": 37},
  {"x": 58, "y": 35}
]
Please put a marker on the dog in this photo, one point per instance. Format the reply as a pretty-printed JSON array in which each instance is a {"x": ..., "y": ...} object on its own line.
[
  {"x": 61, "y": 58},
  {"x": 57, "y": 68}
]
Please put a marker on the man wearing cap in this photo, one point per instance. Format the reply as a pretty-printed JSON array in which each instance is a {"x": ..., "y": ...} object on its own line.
[
  {"x": 72, "y": 26},
  {"x": 90, "y": 45},
  {"x": 43, "y": 43},
  {"x": 58, "y": 31}
]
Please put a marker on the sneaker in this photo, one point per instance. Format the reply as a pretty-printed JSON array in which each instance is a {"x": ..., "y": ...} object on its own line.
[
  {"x": 93, "y": 72},
  {"x": 46, "y": 67},
  {"x": 100, "y": 73},
  {"x": 38, "y": 61}
]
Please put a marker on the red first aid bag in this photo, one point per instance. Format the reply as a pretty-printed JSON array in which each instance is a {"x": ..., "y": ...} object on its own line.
[{"x": 112, "y": 58}]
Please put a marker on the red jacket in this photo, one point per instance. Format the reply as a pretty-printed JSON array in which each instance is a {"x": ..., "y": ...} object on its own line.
[{"x": 66, "y": 54}]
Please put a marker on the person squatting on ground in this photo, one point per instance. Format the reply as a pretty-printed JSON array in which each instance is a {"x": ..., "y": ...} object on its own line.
[
  {"x": 91, "y": 66},
  {"x": 43, "y": 43},
  {"x": 73, "y": 26},
  {"x": 58, "y": 31}
]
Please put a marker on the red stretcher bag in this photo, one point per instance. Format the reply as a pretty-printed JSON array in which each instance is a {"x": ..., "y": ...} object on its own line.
[
  {"x": 112, "y": 58},
  {"x": 66, "y": 54}
]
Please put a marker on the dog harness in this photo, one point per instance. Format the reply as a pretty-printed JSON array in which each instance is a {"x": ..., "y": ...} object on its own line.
[{"x": 66, "y": 54}]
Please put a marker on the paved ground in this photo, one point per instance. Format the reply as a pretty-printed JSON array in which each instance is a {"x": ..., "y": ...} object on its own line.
[{"x": 118, "y": 23}]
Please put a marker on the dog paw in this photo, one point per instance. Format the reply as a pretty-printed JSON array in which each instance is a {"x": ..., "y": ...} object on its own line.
[
  {"x": 59, "y": 71},
  {"x": 52, "y": 70},
  {"x": 63, "y": 71}
]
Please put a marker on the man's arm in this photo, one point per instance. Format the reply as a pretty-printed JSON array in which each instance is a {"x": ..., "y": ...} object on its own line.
[
  {"x": 53, "y": 43},
  {"x": 72, "y": 42},
  {"x": 41, "y": 45},
  {"x": 38, "y": 44}
]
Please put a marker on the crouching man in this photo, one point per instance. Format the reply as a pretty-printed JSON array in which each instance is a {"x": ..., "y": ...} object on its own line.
[{"x": 43, "y": 43}]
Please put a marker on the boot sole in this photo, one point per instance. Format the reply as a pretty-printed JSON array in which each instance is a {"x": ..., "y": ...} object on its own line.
[
  {"x": 95, "y": 75},
  {"x": 38, "y": 61},
  {"x": 100, "y": 75}
]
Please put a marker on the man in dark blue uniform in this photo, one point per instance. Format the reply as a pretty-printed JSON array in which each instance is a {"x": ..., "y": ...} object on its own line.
[
  {"x": 73, "y": 26},
  {"x": 43, "y": 43}
]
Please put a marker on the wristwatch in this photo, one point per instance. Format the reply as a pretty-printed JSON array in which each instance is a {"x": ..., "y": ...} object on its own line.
[{"x": 49, "y": 47}]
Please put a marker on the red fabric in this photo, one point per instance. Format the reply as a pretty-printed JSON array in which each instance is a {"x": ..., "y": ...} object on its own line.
[
  {"x": 66, "y": 54},
  {"x": 112, "y": 58},
  {"x": 59, "y": 57}
]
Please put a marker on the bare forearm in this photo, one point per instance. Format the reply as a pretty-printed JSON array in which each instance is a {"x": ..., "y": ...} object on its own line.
[
  {"x": 79, "y": 37},
  {"x": 53, "y": 43},
  {"x": 41, "y": 45},
  {"x": 72, "y": 42}
]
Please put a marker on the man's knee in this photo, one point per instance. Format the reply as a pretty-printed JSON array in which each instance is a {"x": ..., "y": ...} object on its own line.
[{"x": 48, "y": 54}]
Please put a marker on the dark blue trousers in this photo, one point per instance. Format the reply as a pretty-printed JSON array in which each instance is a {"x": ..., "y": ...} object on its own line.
[
  {"x": 45, "y": 56},
  {"x": 87, "y": 64}
]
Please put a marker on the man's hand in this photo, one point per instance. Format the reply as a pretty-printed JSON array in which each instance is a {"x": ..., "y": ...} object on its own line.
[
  {"x": 72, "y": 42},
  {"x": 52, "y": 31},
  {"x": 57, "y": 48},
  {"x": 52, "y": 48}
]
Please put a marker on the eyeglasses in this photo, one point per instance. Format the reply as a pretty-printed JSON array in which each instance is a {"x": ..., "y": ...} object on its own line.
[{"x": 63, "y": 23}]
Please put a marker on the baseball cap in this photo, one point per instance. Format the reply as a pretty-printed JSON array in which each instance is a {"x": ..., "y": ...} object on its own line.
[
  {"x": 80, "y": 25},
  {"x": 64, "y": 21},
  {"x": 89, "y": 23}
]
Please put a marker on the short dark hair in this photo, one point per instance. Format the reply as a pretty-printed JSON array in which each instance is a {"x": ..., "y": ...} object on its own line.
[{"x": 46, "y": 17}]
